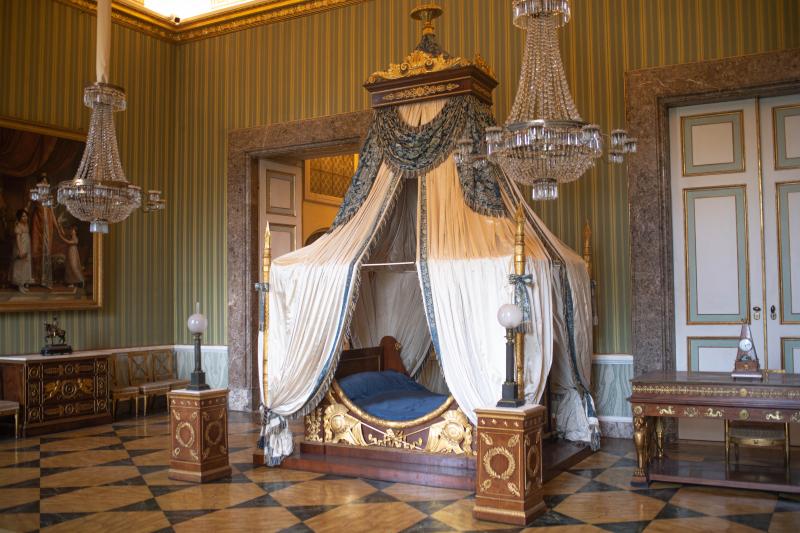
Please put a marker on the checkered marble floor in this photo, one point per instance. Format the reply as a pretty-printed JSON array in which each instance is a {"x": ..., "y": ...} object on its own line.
[{"x": 114, "y": 478}]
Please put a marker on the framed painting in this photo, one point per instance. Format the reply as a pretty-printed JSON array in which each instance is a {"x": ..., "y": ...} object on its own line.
[
  {"x": 48, "y": 259},
  {"x": 327, "y": 179}
]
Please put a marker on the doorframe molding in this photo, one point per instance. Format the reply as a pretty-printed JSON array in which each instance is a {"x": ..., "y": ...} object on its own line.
[
  {"x": 650, "y": 93},
  {"x": 301, "y": 139}
]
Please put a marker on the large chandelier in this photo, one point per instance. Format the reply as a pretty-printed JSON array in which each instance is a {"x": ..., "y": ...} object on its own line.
[
  {"x": 99, "y": 193},
  {"x": 545, "y": 141}
]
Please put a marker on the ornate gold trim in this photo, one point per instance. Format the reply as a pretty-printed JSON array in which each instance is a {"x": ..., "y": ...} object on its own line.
[
  {"x": 491, "y": 454},
  {"x": 709, "y": 390},
  {"x": 420, "y": 62},
  {"x": 179, "y": 437},
  {"x": 419, "y": 92},
  {"x": 394, "y": 424},
  {"x": 213, "y": 24}
]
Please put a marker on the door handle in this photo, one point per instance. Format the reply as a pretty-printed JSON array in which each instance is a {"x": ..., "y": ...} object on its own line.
[
  {"x": 772, "y": 314},
  {"x": 756, "y": 313}
]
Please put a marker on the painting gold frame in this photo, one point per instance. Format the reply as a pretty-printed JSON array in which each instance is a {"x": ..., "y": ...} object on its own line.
[
  {"x": 96, "y": 300},
  {"x": 312, "y": 196}
]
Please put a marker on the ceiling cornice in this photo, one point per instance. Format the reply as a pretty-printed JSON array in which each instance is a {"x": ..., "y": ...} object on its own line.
[{"x": 213, "y": 24}]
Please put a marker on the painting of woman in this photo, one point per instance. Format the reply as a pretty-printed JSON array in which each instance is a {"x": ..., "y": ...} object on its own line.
[
  {"x": 21, "y": 269},
  {"x": 74, "y": 270}
]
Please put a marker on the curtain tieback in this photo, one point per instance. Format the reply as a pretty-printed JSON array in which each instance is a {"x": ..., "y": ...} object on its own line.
[{"x": 521, "y": 299}]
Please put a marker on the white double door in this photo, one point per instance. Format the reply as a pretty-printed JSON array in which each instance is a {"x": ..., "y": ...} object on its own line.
[
  {"x": 735, "y": 183},
  {"x": 735, "y": 175}
]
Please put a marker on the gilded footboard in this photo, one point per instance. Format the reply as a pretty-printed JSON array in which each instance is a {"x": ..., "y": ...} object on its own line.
[{"x": 337, "y": 420}]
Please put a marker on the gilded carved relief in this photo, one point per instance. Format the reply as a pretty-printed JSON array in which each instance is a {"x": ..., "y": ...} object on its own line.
[{"x": 336, "y": 424}]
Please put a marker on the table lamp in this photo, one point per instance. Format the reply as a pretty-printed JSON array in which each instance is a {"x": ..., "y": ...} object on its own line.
[
  {"x": 197, "y": 324},
  {"x": 510, "y": 317}
]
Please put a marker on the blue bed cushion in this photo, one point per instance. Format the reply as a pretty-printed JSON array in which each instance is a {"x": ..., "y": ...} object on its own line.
[
  {"x": 401, "y": 406},
  {"x": 390, "y": 395},
  {"x": 363, "y": 385}
]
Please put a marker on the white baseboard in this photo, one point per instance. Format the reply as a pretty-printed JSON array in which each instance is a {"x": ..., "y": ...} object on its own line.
[
  {"x": 612, "y": 359},
  {"x": 616, "y": 419}
]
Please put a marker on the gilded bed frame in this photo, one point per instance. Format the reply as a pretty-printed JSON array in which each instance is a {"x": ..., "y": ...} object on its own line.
[{"x": 337, "y": 420}]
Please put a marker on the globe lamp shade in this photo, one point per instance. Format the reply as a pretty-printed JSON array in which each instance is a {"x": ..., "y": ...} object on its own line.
[
  {"x": 509, "y": 316},
  {"x": 197, "y": 323}
]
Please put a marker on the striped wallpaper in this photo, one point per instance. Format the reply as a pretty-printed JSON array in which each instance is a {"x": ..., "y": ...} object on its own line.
[
  {"x": 193, "y": 94},
  {"x": 285, "y": 71},
  {"x": 46, "y": 58}
]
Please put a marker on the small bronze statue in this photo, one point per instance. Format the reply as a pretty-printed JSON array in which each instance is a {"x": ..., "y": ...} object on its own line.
[{"x": 51, "y": 333}]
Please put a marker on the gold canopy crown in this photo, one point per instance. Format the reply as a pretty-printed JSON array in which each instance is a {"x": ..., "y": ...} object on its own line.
[{"x": 428, "y": 56}]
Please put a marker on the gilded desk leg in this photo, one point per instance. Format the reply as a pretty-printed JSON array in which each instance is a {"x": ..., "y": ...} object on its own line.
[
  {"x": 640, "y": 440},
  {"x": 145, "y": 405},
  {"x": 16, "y": 424},
  {"x": 136, "y": 406},
  {"x": 727, "y": 444},
  {"x": 659, "y": 437},
  {"x": 786, "y": 445}
]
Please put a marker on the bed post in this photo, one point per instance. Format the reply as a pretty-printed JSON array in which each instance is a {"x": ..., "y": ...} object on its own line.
[
  {"x": 267, "y": 262},
  {"x": 519, "y": 270}
]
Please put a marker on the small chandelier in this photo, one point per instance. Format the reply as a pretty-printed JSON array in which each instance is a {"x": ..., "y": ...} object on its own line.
[
  {"x": 99, "y": 193},
  {"x": 545, "y": 141}
]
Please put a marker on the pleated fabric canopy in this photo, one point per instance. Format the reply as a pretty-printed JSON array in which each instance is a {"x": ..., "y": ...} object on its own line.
[{"x": 452, "y": 226}]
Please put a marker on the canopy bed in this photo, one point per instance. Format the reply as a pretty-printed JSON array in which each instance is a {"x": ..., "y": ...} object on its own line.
[{"x": 410, "y": 276}]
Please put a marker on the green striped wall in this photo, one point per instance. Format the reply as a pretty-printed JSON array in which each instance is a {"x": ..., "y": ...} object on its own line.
[
  {"x": 46, "y": 58},
  {"x": 283, "y": 72},
  {"x": 194, "y": 93}
]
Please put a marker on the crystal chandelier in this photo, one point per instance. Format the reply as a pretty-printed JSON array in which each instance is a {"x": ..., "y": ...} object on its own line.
[
  {"x": 99, "y": 193},
  {"x": 545, "y": 141}
]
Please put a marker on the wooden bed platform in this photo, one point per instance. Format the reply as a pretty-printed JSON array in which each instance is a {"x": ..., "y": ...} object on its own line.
[{"x": 437, "y": 449}]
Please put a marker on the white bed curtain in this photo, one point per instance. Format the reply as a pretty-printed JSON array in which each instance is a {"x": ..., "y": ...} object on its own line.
[
  {"x": 311, "y": 295},
  {"x": 390, "y": 301},
  {"x": 468, "y": 258}
]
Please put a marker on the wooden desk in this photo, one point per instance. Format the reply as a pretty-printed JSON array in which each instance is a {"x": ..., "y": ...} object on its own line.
[{"x": 712, "y": 396}]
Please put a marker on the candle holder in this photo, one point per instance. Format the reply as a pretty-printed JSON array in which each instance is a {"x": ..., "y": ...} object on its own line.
[
  {"x": 197, "y": 324},
  {"x": 510, "y": 317}
]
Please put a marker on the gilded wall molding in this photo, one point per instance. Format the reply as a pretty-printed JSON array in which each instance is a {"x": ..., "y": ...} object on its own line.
[{"x": 266, "y": 12}]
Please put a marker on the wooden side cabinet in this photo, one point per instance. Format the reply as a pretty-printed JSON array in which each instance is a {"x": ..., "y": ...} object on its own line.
[
  {"x": 509, "y": 481},
  {"x": 57, "y": 392},
  {"x": 199, "y": 429}
]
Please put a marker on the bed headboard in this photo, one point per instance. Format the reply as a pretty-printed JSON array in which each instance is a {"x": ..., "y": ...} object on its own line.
[{"x": 385, "y": 356}]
